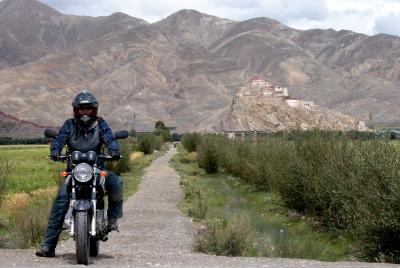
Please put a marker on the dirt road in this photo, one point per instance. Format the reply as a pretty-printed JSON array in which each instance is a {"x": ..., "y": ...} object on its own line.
[{"x": 154, "y": 233}]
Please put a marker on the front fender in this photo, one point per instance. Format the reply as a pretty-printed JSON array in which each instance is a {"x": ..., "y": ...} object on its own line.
[{"x": 82, "y": 205}]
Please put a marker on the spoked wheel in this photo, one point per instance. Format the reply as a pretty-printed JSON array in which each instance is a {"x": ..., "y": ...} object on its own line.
[{"x": 82, "y": 237}]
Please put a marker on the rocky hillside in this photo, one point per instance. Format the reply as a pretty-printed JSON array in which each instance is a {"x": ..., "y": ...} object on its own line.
[
  {"x": 13, "y": 127},
  {"x": 254, "y": 114},
  {"x": 184, "y": 69}
]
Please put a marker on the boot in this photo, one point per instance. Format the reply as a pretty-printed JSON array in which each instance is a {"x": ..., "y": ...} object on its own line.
[
  {"x": 112, "y": 225},
  {"x": 46, "y": 251}
]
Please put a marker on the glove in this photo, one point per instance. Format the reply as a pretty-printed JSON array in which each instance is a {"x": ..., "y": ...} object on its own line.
[
  {"x": 115, "y": 155},
  {"x": 54, "y": 155}
]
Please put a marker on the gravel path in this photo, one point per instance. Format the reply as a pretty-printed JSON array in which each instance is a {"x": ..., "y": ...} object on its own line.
[{"x": 154, "y": 233}]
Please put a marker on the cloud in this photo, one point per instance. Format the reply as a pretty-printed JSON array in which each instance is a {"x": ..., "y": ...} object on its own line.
[
  {"x": 233, "y": 9},
  {"x": 367, "y": 17},
  {"x": 388, "y": 24}
]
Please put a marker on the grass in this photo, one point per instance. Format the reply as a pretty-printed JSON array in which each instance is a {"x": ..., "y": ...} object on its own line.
[
  {"x": 32, "y": 185},
  {"x": 29, "y": 169},
  {"x": 218, "y": 200}
]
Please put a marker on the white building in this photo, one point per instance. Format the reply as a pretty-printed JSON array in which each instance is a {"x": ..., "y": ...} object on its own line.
[{"x": 300, "y": 104}]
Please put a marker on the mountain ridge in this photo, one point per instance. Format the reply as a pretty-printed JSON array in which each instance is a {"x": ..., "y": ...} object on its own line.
[{"x": 186, "y": 68}]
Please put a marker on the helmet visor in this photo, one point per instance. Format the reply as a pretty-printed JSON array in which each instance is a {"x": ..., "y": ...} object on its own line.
[{"x": 88, "y": 110}]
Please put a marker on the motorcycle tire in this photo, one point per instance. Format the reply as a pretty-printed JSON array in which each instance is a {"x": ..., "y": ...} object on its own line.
[
  {"x": 82, "y": 237},
  {"x": 94, "y": 247}
]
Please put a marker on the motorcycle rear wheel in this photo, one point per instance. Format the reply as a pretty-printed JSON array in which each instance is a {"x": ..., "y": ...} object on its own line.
[{"x": 82, "y": 237}]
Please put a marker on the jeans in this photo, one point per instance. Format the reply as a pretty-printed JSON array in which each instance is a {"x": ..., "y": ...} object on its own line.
[{"x": 114, "y": 188}]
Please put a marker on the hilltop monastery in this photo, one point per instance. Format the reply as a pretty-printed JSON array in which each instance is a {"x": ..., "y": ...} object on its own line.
[{"x": 258, "y": 87}]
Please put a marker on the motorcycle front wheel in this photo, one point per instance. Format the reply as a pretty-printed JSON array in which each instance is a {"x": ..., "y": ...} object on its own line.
[{"x": 82, "y": 237}]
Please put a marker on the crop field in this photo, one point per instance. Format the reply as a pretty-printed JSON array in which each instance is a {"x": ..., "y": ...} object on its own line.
[
  {"x": 28, "y": 184},
  {"x": 28, "y": 168}
]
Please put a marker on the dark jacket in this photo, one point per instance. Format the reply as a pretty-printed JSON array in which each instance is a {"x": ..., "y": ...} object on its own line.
[{"x": 81, "y": 139}]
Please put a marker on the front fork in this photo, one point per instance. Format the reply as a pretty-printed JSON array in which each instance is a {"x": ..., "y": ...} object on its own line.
[{"x": 94, "y": 207}]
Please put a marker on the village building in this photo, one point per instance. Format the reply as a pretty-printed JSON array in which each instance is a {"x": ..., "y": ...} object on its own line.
[{"x": 300, "y": 104}]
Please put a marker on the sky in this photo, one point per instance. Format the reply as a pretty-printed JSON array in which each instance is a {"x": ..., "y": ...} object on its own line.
[{"x": 363, "y": 16}]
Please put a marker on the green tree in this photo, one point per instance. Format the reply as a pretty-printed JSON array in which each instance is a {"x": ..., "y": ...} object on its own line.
[
  {"x": 160, "y": 125},
  {"x": 132, "y": 133}
]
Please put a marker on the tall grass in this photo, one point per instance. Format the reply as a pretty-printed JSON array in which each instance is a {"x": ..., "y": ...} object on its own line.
[
  {"x": 4, "y": 171},
  {"x": 351, "y": 186},
  {"x": 28, "y": 214}
]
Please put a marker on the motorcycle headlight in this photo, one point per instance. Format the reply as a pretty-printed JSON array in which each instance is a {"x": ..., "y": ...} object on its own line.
[{"x": 83, "y": 172}]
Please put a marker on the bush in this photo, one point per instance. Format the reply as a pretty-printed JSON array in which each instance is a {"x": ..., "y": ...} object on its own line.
[
  {"x": 122, "y": 165},
  {"x": 227, "y": 238},
  {"x": 147, "y": 143},
  {"x": 176, "y": 137},
  {"x": 195, "y": 196},
  {"x": 208, "y": 154},
  {"x": 166, "y": 135},
  {"x": 190, "y": 141},
  {"x": 349, "y": 181}
]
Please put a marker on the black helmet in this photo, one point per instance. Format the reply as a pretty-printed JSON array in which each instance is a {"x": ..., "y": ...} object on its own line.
[{"x": 85, "y": 107}]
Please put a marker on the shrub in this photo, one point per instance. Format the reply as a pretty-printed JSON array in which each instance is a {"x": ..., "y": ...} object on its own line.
[
  {"x": 176, "y": 137},
  {"x": 349, "y": 181},
  {"x": 147, "y": 143},
  {"x": 190, "y": 141},
  {"x": 162, "y": 131},
  {"x": 200, "y": 208},
  {"x": 228, "y": 238},
  {"x": 166, "y": 135},
  {"x": 208, "y": 154},
  {"x": 122, "y": 165}
]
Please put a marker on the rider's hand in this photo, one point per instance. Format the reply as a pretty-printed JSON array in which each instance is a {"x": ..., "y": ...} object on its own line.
[
  {"x": 115, "y": 155},
  {"x": 54, "y": 155}
]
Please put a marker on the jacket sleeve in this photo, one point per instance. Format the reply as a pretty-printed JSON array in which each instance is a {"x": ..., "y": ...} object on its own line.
[
  {"x": 108, "y": 137},
  {"x": 60, "y": 140}
]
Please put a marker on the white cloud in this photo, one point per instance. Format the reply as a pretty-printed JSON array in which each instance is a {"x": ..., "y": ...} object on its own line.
[
  {"x": 388, "y": 24},
  {"x": 356, "y": 15}
]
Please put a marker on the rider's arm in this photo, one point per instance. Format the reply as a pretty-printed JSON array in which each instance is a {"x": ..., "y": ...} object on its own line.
[
  {"x": 108, "y": 137},
  {"x": 60, "y": 140}
]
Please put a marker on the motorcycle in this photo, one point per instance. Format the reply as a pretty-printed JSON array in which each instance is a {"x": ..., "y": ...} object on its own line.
[{"x": 85, "y": 186}]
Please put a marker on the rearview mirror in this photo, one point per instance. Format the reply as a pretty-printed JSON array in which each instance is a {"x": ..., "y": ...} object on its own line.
[
  {"x": 121, "y": 134},
  {"x": 50, "y": 133}
]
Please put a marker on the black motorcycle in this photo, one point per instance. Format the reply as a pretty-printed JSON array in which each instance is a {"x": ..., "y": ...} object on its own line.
[{"x": 85, "y": 186}]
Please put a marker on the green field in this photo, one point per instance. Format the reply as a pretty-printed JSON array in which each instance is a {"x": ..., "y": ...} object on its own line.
[
  {"x": 28, "y": 183},
  {"x": 29, "y": 169}
]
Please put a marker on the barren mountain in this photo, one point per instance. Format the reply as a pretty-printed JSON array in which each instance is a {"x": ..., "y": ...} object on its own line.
[
  {"x": 184, "y": 69},
  {"x": 13, "y": 127}
]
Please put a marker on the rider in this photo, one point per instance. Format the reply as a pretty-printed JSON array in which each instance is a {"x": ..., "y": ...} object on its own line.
[{"x": 85, "y": 132}]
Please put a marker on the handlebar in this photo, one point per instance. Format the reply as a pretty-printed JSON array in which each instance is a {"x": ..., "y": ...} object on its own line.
[{"x": 105, "y": 157}]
